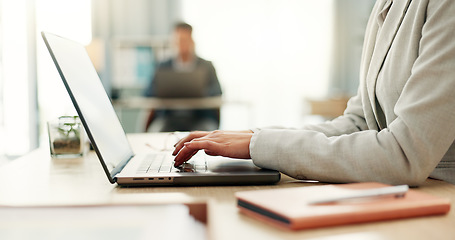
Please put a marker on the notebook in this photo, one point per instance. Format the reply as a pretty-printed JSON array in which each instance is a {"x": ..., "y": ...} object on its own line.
[
  {"x": 292, "y": 208},
  {"x": 120, "y": 163}
]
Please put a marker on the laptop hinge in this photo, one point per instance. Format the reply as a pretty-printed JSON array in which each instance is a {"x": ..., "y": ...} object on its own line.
[{"x": 120, "y": 167}]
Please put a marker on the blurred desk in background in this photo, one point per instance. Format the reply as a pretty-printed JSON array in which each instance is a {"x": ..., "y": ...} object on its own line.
[
  {"x": 134, "y": 111},
  {"x": 168, "y": 103},
  {"x": 328, "y": 108}
]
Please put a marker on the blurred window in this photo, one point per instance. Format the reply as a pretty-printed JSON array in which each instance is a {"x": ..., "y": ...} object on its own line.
[{"x": 269, "y": 55}]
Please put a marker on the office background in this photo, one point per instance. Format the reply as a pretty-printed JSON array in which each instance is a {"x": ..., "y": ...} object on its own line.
[{"x": 271, "y": 56}]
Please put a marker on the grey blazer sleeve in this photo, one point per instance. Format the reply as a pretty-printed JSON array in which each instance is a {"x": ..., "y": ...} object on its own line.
[{"x": 402, "y": 122}]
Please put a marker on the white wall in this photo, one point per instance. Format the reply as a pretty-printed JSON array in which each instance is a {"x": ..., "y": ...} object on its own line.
[
  {"x": 269, "y": 55},
  {"x": 18, "y": 132},
  {"x": 71, "y": 19}
]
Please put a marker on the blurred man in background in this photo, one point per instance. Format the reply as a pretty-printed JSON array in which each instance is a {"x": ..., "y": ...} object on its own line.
[{"x": 185, "y": 60}]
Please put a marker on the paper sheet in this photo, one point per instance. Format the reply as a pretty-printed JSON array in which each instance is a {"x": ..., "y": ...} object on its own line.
[{"x": 100, "y": 222}]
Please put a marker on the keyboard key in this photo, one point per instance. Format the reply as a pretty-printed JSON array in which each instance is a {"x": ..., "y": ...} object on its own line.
[
  {"x": 165, "y": 168},
  {"x": 164, "y": 163}
]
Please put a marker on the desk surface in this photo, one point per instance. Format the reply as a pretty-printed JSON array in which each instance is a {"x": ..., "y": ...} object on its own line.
[{"x": 38, "y": 179}]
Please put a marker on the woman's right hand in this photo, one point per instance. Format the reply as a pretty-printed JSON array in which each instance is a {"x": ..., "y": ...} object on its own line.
[{"x": 224, "y": 143}]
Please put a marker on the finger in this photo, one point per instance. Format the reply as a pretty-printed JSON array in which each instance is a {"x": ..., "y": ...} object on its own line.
[
  {"x": 184, "y": 155},
  {"x": 179, "y": 164},
  {"x": 191, "y": 148},
  {"x": 182, "y": 140},
  {"x": 190, "y": 137},
  {"x": 208, "y": 145},
  {"x": 179, "y": 145}
]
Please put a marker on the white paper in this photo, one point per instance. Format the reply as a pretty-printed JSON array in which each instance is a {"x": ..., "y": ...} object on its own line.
[{"x": 100, "y": 222}]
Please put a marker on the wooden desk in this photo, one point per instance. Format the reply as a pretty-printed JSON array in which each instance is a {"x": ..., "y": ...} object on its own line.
[
  {"x": 328, "y": 108},
  {"x": 38, "y": 179}
]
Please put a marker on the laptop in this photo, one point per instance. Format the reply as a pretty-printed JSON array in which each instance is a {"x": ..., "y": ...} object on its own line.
[
  {"x": 181, "y": 84},
  {"x": 120, "y": 163}
]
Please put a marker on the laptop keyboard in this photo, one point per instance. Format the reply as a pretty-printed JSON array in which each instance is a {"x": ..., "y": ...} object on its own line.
[{"x": 164, "y": 163}]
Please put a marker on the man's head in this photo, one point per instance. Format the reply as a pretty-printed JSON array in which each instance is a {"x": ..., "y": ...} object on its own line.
[{"x": 184, "y": 41}]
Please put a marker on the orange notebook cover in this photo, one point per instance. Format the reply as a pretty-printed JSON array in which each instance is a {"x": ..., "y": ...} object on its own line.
[{"x": 290, "y": 207}]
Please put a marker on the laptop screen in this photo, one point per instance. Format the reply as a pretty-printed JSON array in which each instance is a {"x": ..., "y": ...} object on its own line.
[
  {"x": 174, "y": 84},
  {"x": 91, "y": 102}
]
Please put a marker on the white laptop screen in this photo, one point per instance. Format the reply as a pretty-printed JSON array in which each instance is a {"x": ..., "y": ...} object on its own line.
[{"x": 91, "y": 102}]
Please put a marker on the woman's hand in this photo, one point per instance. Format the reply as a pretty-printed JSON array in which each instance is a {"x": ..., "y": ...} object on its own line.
[{"x": 222, "y": 143}]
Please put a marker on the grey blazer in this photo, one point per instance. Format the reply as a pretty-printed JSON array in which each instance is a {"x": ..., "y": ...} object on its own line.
[{"x": 400, "y": 127}]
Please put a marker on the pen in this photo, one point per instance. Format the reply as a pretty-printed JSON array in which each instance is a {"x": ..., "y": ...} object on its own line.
[{"x": 397, "y": 191}]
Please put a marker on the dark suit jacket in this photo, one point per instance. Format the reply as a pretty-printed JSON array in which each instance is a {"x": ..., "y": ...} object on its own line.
[{"x": 213, "y": 89}]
